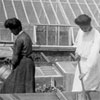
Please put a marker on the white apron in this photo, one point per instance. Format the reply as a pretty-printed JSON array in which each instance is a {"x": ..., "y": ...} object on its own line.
[{"x": 88, "y": 47}]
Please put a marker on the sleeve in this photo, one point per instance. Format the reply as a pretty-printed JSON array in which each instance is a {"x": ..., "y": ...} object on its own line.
[
  {"x": 94, "y": 54},
  {"x": 77, "y": 39},
  {"x": 16, "y": 52}
]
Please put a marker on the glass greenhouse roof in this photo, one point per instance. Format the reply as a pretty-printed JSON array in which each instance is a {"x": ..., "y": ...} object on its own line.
[{"x": 49, "y": 11}]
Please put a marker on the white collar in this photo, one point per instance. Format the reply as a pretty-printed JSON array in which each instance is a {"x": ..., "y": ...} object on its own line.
[{"x": 20, "y": 33}]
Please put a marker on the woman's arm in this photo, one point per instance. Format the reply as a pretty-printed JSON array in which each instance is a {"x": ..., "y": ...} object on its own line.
[{"x": 16, "y": 51}]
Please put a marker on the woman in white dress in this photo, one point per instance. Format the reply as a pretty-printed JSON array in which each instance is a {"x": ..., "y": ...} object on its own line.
[{"x": 87, "y": 49}]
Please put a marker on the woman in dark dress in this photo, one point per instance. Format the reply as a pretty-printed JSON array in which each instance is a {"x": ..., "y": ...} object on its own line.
[{"x": 22, "y": 78}]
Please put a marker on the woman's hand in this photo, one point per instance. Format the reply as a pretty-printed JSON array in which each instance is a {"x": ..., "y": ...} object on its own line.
[
  {"x": 81, "y": 76},
  {"x": 77, "y": 57},
  {"x": 7, "y": 61}
]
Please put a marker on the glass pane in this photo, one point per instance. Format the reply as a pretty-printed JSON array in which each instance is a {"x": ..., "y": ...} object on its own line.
[
  {"x": 9, "y": 8},
  {"x": 36, "y": 0},
  {"x": 81, "y": 1},
  {"x": 45, "y": 0},
  {"x": 50, "y": 13},
  {"x": 54, "y": 0},
  {"x": 41, "y": 35},
  {"x": 90, "y": 1},
  {"x": 76, "y": 9},
  {"x": 20, "y": 11},
  {"x": 72, "y": 1},
  {"x": 40, "y": 13},
  {"x": 5, "y": 35},
  {"x": 30, "y": 12},
  {"x": 2, "y": 14},
  {"x": 59, "y": 13},
  {"x": 95, "y": 12},
  {"x": 97, "y": 1},
  {"x": 63, "y": 1},
  {"x": 64, "y": 37},
  {"x": 68, "y": 12},
  {"x": 52, "y": 35}
]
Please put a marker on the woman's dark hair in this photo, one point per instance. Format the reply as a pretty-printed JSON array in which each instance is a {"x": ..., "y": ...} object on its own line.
[
  {"x": 83, "y": 20},
  {"x": 13, "y": 23}
]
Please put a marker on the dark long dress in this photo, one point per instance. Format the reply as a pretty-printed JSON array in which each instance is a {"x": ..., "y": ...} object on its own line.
[{"x": 22, "y": 79}]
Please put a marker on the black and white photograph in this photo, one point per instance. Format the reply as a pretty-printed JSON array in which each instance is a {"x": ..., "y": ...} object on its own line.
[{"x": 49, "y": 49}]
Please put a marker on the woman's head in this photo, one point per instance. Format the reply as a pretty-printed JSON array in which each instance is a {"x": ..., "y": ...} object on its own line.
[
  {"x": 14, "y": 25},
  {"x": 84, "y": 22}
]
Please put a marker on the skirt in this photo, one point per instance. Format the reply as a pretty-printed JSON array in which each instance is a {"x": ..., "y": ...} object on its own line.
[{"x": 22, "y": 78}]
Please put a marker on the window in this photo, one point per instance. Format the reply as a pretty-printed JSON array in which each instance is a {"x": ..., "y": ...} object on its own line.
[{"x": 53, "y": 35}]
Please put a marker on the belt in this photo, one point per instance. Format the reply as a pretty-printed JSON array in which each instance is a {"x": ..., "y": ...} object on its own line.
[{"x": 27, "y": 56}]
